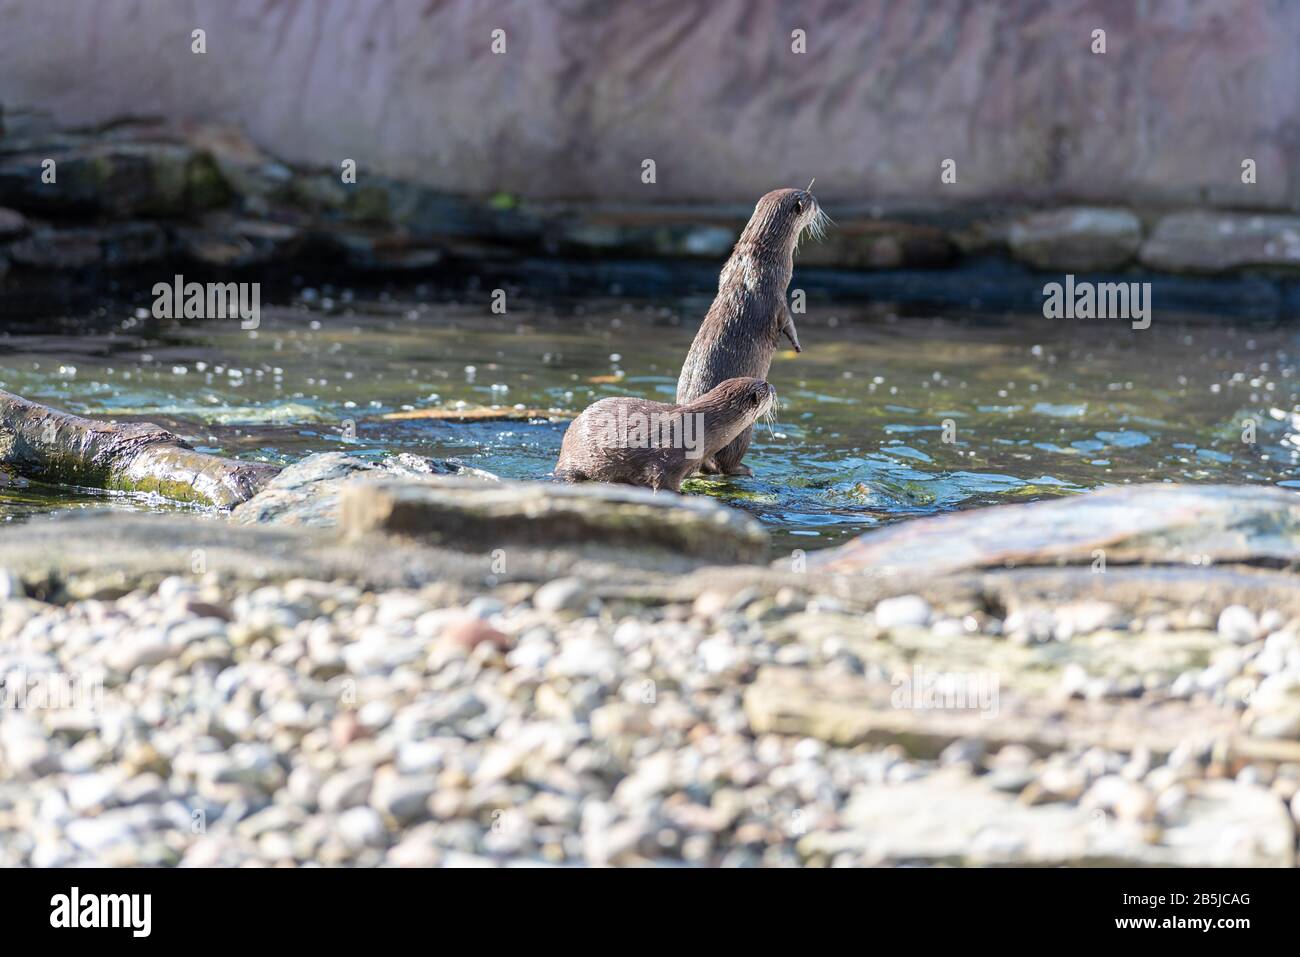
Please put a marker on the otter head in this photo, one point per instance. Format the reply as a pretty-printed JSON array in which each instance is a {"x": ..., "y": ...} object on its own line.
[
  {"x": 782, "y": 216},
  {"x": 731, "y": 407}
]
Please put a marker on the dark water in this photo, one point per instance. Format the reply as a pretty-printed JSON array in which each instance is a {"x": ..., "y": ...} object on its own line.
[{"x": 1034, "y": 407}]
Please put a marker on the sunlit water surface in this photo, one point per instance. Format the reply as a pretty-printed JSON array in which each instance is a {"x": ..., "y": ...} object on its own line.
[{"x": 881, "y": 417}]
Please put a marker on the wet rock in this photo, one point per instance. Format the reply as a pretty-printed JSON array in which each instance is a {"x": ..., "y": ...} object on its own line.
[
  {"x": 880, "y": 244},
  {"x": 256, "y": 177},
  {"x": 58, "y": 249},
  {"x": 425, "y": 213},
  {"x": 118, "y": 245},
  {"x": 1075, "y": 239},
  {"x": 307, "y": 492},
  {"x": 12, "y": 224},
  {"x": 119, "y": 178},
  {"x": 463, "y": 512},
  {"x": 1214, "y": 242},
  {"x": 228, "y": 242},
  {"x": 380, "y": 249},
  {"x": 643, "y": 233}
]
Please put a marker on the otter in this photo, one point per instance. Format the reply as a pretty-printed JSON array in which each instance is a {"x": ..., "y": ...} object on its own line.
[
  {"x": 657, "y": 444},
  {"x": 749, "y": 315}
]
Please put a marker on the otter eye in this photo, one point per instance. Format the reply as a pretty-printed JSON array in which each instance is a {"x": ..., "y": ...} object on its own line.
[
  {"x": 754, "y": 399},
  {"x": 799, "y": 205}
]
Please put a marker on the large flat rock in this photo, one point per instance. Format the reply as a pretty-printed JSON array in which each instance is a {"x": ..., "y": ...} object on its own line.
[
  {"x": 463, "y": 512},
  {"x": 1214, "y": 242},
  {"x": 951, "y": 818},
  {"x": 1163, "y": 524},
  {"x": 987, "y": 706}
]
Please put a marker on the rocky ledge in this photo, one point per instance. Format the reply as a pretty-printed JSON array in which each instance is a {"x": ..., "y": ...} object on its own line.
[
  {"x": 138, "y": 196},
  {"x": 414, "y": 686}
]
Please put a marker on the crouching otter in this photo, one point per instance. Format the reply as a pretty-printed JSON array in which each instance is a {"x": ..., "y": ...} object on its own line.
[
  {"x": 749, "y": 315},
  {"x": 657, "y": 444}
]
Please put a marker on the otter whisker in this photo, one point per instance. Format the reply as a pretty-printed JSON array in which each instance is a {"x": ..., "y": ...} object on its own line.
[{"x": 769, "y": 417}]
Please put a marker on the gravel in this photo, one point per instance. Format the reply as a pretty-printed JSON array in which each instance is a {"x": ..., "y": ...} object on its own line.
[{"x": 313, "y": 722}]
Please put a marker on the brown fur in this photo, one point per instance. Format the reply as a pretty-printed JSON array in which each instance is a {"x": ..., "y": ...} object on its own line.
[
  {"x": 601, "y": 444},
  {"x": 749, "y": 315}
]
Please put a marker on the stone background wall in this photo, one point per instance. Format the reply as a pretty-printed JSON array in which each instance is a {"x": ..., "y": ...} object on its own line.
[{"x": 709, "y": 89}]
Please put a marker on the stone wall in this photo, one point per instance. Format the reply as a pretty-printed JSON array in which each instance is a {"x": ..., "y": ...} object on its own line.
[{"x": 709, "y": 89}]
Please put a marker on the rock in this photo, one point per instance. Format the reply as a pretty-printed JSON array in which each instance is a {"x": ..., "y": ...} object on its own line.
[
  {"x": 1086, "y": 617},
  {"x": 12, "y": 224},
  {"x": 846, "y": 710},
  {"x": 1275, "y": 707},
  {"x": 859, "y": 243},
  {"x": 464, "y": 513},
  {"x": 1165, "y": 524},
  {"x": 561, "y": 595},
  {"x": 256, "y": 177},
  {"x": 404, "y": 798},
  {"x": 584, "y": 658},
  {"x": 1238, "y": 624},
  {"x": 473, "y": 631},
  {"x": 118, "y": 245},
  {"x": 361, "y": 827},
  {"x": 905, "y": 610},
  {"x": 1125, "y": 799},
  {"x": 58, "y": 249},
  {"x": 645, "y": 232},
  {"x": 381, "y": 250},
  {"x": 147, "y": 788},
  {"x": 949, "y": 817},
  {"x": 307, "y": 492},
  {"x": 1215, "y": 242},
  {"x": 116, "y": 177},
  {"x": 228, "y": 242},
  {"x": 1076, "y": 239},
  {"x": 11, "y": 586},
  {"x": 86, "y": 792},
  {"x": 142, "y": 649},
  {"x": 345, "y": 789}
]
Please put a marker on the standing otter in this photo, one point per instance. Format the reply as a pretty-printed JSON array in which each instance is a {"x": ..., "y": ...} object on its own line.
[
  {"x": 657, "y": 444},
  {"x": 749, "y": 314}
]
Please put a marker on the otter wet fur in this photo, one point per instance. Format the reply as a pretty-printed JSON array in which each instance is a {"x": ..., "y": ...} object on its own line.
[
  {"x": 749, "y": 315},
  {"x": 657, "y": 444}
]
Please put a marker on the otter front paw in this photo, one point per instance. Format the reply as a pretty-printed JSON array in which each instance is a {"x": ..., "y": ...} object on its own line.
[{"x": 741, "y": 470}]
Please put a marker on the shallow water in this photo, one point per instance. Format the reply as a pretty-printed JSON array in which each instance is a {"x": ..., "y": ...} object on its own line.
[{"x": 1034, "y": 407}]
